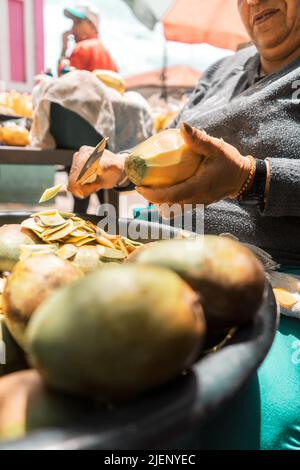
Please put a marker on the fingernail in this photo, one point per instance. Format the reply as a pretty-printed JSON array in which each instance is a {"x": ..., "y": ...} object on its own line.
[{"x": 187, "y": 127}]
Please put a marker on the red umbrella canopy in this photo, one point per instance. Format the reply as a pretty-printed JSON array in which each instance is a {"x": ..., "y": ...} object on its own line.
[{"x": 215, "y": 22}]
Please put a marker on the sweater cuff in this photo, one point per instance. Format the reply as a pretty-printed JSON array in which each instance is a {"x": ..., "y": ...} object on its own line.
[{"x": 284, "y": 195}]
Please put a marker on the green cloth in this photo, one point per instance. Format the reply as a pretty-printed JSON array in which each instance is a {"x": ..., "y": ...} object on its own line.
[{"x": 265, "y": 415}]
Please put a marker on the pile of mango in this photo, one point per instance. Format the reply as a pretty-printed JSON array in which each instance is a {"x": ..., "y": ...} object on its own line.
[
  {"x": 77, "y": 341},
  {"x": 18, "y": 104},
  {"x": 14, "y": 135}
]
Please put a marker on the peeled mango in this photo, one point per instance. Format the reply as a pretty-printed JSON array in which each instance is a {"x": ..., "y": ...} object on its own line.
[
  {"x": 27, "y": 405},
  {"x": 117, "y": 332},
  {"x": 30, "y": 283},
  {"x": 162, "y": 160},
  {"x": 11, "y": 238},
  {"x": 226, "y": 274}
]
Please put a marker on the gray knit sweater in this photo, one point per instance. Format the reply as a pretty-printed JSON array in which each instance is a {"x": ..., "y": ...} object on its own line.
[{"x": 260, "y": 117}]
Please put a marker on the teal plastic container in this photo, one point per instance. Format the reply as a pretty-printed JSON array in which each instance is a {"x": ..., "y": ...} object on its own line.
[
  {"x": 149, "y": 213},
  {"x": 24, "y": 184}
]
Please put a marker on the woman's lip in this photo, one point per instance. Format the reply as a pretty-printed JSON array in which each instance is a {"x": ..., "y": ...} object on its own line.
[{"x": 264, "y": 16}]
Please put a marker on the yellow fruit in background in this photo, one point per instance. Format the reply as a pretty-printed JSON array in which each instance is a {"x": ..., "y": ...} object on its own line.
[
  {"x": 163, "y": 160},
  {"x": 111, "y": 79},
  {"x": 163, "y": 120},
  {"x": 15, "y": 135}
]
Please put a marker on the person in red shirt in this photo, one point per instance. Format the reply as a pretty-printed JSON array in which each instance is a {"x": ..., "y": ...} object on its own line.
[{"x": 89, "y": 52}]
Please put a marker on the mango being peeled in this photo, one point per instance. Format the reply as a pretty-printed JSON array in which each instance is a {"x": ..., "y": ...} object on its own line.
[{"x": 163, "y": 160}]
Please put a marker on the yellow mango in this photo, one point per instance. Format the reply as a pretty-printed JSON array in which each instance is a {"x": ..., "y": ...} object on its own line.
[{"x": 162, "y": 160}]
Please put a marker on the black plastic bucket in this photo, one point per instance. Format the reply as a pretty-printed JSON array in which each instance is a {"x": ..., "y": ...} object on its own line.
[{"x": 157, "y": 419}]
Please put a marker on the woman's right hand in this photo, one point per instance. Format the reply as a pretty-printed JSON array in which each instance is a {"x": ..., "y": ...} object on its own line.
[{"x": 109, "y": 173}]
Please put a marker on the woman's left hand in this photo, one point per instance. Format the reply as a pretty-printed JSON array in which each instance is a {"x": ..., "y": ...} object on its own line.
[{"x": 222, "y": 173}]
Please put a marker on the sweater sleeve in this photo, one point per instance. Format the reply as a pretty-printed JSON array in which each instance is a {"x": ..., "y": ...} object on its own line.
[
  {"x": 200, "y": 91},
  {"x": 284, "y": 195}
]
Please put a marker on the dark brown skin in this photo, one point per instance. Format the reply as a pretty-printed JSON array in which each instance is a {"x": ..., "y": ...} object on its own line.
[
  {"x": 110, "y": 166},
  {"x": 278, "y": 38}
]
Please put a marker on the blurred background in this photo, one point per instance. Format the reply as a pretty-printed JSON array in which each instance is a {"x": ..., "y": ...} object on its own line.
[
  {"x": 158, "y": 51},
  {"x": 33, "y": 43},
  {"x": 134, "y": 47}
]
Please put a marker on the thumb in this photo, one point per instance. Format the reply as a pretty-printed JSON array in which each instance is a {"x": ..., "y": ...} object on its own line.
[{"x": 197, "y": 140}]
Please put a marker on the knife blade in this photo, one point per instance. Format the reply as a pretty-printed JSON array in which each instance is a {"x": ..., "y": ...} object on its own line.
[{"x": 89, "y": 169}]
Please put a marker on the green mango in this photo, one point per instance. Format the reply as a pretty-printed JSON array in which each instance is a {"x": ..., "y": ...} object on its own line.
[
  {"x": 228, "y": 277},
  {"x": 11, "y": 238},
  {"x": 117, "y": 332},
  {"x": 29, "y": 284}
]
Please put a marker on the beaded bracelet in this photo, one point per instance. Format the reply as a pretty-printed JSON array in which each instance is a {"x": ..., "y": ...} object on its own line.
[{"x": 249, "y": 180}]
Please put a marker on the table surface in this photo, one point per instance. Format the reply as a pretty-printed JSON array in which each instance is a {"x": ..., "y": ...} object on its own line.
[{"x": 34, "y": 156}]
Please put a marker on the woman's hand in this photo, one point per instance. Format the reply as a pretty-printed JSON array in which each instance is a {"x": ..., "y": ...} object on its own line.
[
  {"x": 109, "y": 173},
  {"x": 221, "y": 174}
]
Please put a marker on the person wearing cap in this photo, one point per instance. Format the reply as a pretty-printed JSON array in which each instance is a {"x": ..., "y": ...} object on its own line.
[{"x": 89, "y": 52}]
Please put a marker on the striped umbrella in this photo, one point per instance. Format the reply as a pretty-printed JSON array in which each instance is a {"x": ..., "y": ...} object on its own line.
[{"x": 216, "y": 22}]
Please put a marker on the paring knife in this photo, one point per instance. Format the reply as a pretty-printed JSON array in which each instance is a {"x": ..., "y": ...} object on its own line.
[{"x": 89, "y": 169}]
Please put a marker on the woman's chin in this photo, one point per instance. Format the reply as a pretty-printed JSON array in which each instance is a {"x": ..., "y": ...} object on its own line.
[{"x": 268, "y": 42}]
